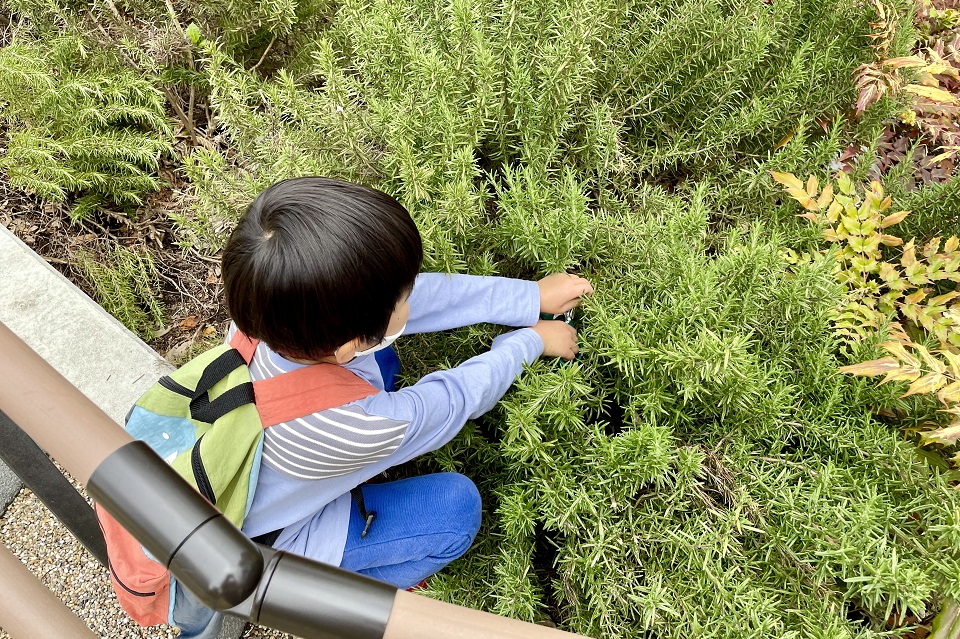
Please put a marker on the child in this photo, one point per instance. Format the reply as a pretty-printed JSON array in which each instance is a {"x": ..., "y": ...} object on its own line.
[{"x": 323, "y": 271}]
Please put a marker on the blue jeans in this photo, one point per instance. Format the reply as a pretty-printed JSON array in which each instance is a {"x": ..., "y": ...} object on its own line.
[{"x": 423, "y": 523}]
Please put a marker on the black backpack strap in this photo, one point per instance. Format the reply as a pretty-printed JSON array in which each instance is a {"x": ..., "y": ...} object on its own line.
[
  {"x": 200, "y": 474},
  {"x": 267, "y": 539},
  {"x": 368, "y": 517},
  {"x": 201, "y": 408},
  {"x": 223, "y": 365}
]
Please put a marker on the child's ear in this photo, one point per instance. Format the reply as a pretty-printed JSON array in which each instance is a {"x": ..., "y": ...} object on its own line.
[{"x": 348, "y": 351}]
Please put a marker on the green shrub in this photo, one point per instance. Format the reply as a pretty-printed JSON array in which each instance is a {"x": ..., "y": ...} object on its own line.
[
  {"x": 935, "y": 211},
  {"x": 124, "y": 281},
  {"x": 703, "y": 470},
  {"x": 80, "y": 124},
  {"x": 437, "y": 105}
]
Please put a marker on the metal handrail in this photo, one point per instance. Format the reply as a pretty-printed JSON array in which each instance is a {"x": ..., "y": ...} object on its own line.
[
  {"x": 205, "y": 551},
  {"x": 22, "y": 455}
]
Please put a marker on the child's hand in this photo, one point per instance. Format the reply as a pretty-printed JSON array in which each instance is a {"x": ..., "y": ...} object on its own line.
[
  {"x": 559, "y": 339},
  {"x": 562, "y": 291}
]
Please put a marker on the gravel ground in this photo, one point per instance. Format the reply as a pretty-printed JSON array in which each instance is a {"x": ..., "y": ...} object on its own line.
[{"x": 64, "y": 566}]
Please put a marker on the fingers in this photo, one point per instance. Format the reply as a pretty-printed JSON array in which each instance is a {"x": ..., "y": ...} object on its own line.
[
  {"x": 560, "y": 292},
  {"x": 559, "y": 339},
  {"x": 570, "y": 304},
  {"x": 583, "y": 284},
  {"x": 578, "y": 285},
  {"x": 577, "y": 288},
  {"x": 571, "y": 347},
  {"x": 571, "y": 355}
]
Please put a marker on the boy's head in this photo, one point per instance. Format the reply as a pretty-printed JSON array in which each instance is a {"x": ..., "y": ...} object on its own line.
[{"x": 316, "y": 263}]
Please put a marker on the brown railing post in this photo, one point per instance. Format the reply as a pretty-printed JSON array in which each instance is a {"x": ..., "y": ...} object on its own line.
[
  {"x": 29, "y": 611},
  {"x": 29, "y": 462},
  {"x": 63, "y": 422}
]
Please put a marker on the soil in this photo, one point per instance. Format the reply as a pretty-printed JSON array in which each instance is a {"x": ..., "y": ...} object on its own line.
[{"x": 191, "y": 287}]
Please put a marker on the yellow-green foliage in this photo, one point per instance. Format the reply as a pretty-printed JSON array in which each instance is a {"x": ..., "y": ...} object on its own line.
[
  {"x": 905, "y": 288},
  {"x": 929, "y": 372},
  {"x": 910, "y": 296},
  {"x": 80, "y": 123}
]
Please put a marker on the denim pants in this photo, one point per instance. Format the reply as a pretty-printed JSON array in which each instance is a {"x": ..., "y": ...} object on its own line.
[{"x": 423, "y": 523}]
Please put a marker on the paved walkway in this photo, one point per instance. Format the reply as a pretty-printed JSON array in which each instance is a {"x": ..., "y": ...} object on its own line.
[
  {"x": 94, "y": 351},
  {"x": 90, "y": 348}
]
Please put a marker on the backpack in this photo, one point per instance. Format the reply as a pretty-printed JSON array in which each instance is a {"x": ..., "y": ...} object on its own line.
[{"x": 206, "y": 420}]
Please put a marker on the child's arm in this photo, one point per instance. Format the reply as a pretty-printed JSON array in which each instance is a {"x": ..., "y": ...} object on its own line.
[
  {"x": 437, "y": 406},
  {"x": 441, "y": 302}
]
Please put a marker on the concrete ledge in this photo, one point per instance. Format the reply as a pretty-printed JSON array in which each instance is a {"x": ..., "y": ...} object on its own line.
[
  {"x": 88, "y": 346},
  {"x": 9, "y": 487},
  {"x": 94, "y": 351}
]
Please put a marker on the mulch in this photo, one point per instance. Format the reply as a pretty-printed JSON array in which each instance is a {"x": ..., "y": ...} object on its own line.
[{"x": 191, "y": 288}]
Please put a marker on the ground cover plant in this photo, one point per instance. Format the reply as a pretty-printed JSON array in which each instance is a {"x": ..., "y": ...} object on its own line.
[{"x": 703, "y": 469}]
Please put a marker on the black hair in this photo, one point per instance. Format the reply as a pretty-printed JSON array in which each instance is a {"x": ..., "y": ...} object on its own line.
[{"x": 316, "y": 262}]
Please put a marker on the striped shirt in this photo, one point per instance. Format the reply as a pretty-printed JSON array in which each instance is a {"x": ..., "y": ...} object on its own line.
[{"x": 327, "y": 444}]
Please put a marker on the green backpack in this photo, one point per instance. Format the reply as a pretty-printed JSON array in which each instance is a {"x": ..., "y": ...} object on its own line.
[{"x": 206, "y": 420}]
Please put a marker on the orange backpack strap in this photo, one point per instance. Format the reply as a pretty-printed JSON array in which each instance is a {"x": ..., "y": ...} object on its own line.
[
  {"x": 244, "y": 345},
  {"x": 307, "y": 390},
  {"x": 303, "y": 391}
]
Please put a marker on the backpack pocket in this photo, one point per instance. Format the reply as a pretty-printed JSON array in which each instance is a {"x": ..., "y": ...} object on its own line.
[{"x": 142, "y": 585}]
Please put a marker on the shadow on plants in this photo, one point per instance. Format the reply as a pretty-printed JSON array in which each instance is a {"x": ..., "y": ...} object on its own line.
[
  {"x": 611, "y": 416},
  {"x": 670, "y": 179},
  {"x": 489, "y": 426},
  {"x": 718, "y": 489},
  {"x": 904, "y": 626},
  {"x": 790, "y": 447},
  {"x": 544, "y": 560},
  {"x": 857, "y": 615}
]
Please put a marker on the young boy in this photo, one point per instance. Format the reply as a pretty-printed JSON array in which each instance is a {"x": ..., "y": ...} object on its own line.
[{"x": 323, "y": 271}]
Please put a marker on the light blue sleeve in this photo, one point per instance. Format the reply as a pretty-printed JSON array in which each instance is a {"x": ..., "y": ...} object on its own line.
[
  {"x": 440, "y": 302},
  {"x": 438, "y": 406}
]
